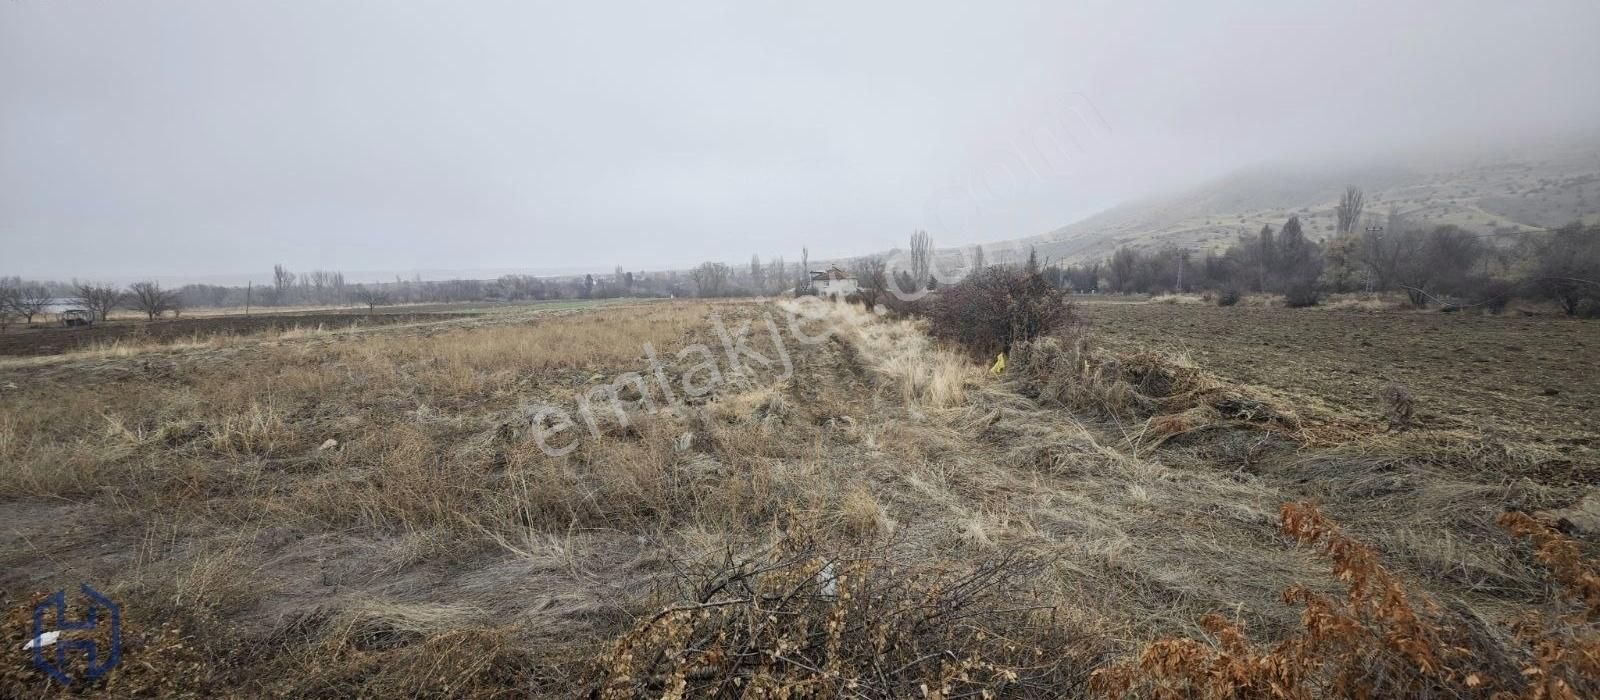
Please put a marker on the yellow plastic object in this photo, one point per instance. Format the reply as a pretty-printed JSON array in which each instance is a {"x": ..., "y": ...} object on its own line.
[{"x": 999, "y": 364}]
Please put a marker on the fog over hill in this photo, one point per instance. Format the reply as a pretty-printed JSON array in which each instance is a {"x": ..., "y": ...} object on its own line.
[{"x": 1502, "y": 191}]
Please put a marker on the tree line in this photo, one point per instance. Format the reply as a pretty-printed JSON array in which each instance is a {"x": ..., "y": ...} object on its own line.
[
  {"x": 1432, "y": 265},
  {"x": 1440, "y": 265},
  {"x": 27, "y": 301}
]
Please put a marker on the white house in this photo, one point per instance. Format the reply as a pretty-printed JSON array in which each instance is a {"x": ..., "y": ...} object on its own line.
[{"x": 832, "y": 281}]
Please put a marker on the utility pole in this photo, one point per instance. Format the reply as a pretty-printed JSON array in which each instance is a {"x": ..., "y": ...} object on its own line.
[{"x": 248, "y": 287}]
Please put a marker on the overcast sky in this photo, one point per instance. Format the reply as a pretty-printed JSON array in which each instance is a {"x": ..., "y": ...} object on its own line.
[{"x": 179, "y": 139}]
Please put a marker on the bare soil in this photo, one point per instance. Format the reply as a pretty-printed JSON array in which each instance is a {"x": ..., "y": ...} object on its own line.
[{"x": 1532, "y": 377}]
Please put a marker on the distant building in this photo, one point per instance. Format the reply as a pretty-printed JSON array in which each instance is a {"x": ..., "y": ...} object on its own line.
[
  {"x": 59, "y": 305},
  {"x": 832, "y": 281}
]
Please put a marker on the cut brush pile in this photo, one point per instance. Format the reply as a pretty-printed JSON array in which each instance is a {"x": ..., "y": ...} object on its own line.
[{"x": 793, "y": 623}]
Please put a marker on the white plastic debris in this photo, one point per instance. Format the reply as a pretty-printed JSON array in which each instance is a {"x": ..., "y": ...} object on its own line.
[
  {"x": 829, "y": 580},
  {"x": 329, "y": 444},
  {"x": 42, "y": 640}
]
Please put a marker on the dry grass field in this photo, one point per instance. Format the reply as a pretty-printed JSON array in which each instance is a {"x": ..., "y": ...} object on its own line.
[
  {"x": 825, "y": 503},
  {"x": 127, "y": 332}
]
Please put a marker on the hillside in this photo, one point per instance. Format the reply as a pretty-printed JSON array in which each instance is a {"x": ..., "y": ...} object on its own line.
[{"x": 1490, "y": 193}]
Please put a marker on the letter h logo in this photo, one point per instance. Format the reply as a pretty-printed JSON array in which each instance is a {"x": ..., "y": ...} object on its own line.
[{"x": 97, "y": 608}]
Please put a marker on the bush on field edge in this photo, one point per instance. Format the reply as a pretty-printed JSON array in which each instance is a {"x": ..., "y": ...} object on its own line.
[{"x": 997, "y": 307}]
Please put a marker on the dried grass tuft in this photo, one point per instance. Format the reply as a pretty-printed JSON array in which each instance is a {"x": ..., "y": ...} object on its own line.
[{"x": 1399, "y": 406}]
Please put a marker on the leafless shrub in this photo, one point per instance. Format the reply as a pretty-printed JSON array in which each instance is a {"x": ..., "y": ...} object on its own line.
[
  {"x": 859, "y": 623},
  {"x": 905, "y": 308},
  {"x": 996, "y": 308},
  {"x": 1399, "y": 406}
]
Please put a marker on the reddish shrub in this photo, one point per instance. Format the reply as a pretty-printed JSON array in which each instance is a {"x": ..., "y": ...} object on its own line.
[
  {"x": 998, "y": 307},
  {"x": 1378, "y": 641}
]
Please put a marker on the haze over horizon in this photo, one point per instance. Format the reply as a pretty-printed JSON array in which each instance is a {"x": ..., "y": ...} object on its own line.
[{"x": 201, "y": 140}]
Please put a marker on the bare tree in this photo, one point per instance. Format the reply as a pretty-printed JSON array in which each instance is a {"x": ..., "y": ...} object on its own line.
[
  {"x": 710, "y": 279},
  {"x": 1389, "y": 251},
  {"x": 777, "y": 272},
  {"x": 921, "y": 260},
  {"x": 1266, "y": 257},
  {"x": 977, "y": 258},
  {"x": 1348, "y": 212},
  {"x": 872, "y": 278},
  {"x": 1120, "y": 269},
  {"x": 8, "y": 301},
  {"x": 319, "y": 281},
  {"x": 758, "y": 275},
  {"x": 1298, "y": 265},
  {"x": 373, "y": 297},
  {"x": 324, "y": 285},
  {"x": 150, "y": 298},
  {"x": 29, "y": 300},
  {"x": 805, "y": 270},
  {"x": 282, "y": 282},
  {"x": 98, "y": 298},
  {"x": 1566, "y": 266}
]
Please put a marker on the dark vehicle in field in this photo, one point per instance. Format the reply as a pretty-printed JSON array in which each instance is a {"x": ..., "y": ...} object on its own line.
[{"x": 77, "y": 317}]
